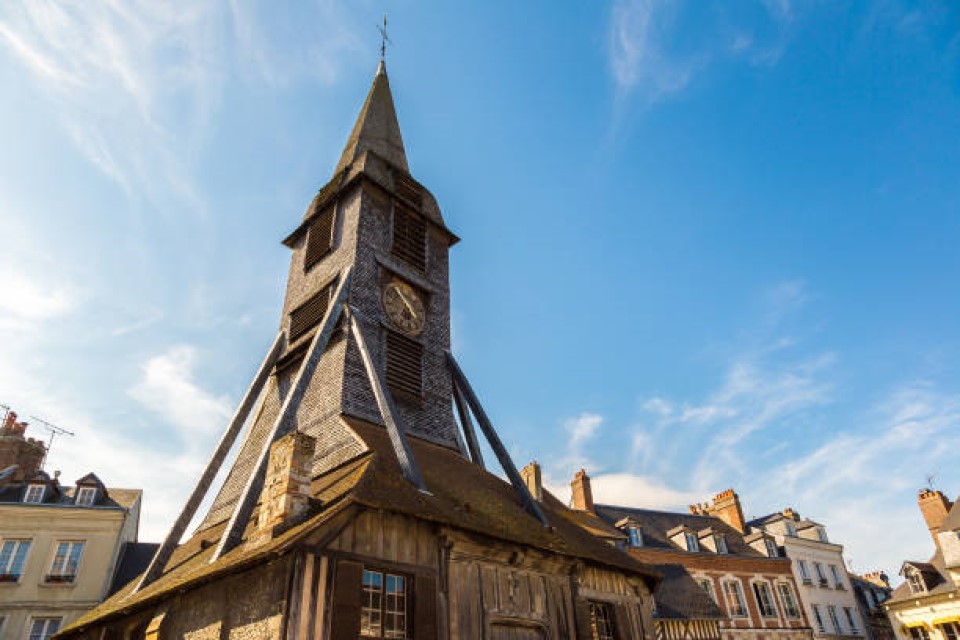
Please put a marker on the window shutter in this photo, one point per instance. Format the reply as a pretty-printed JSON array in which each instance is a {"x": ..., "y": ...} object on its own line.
[
  {"x": 425, "y": 607},
  {"x": 404, "y": 365},
  {"x": 304, "y": 317},
  {"x": 345, "y": 609},
  {"x": 320, "y": 238},
  {"x": 581, "y": 610},
  {"x": 409, "y": 237},
  {"x": 408, "y": 188}
]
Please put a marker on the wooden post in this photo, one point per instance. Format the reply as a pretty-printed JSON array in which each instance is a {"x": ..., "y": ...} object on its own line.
[
  {"x": 162, "y": 556},
  {"x": 519, "y": 485},
  {"x": 285, "y": 423},
  {"x": 464, "y": 413},
  {"x": 388, "y": 410}
]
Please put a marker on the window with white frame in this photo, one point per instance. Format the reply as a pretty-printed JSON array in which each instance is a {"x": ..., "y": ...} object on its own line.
[
  {"x": 43, "y": 628},
  {"x": 635, "y": 536},
  {"x": 66, "y": 561},
  {"x": 820, "y": 575},
  {"x": 818, "y": 617},
  {"x": 34, "y": 493},
  {"x": 788, "y": 600},
  {"x": 383, "y": 613},
  {"x": 822, "y": 534},
  {"x": 851, "y": 620},
  {"x": 692, "y": 543},
  {"x": 771, "y": 545},
  {"x": 791, "y": 528},
  {"x": 13, "y": 555},
  {"x": 721, "y": 543},
  {"x": 733, "y": 594},
  {"x": 834, "y": 620},
  {"x": 837, "y": 580},
  {"x": 85, "y": 496},
  {"x": 916, "y": 582},
  {"x": 764, "y": 599},
  {"x": 804, "y": 574}
]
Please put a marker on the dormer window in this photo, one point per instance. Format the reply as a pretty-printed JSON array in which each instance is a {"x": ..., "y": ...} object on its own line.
[
  {"x": 86, "y": 496},
  {"x": 692, "y": 543},
  {"x": 822, "y": 534},
  {"x": 772, "y": 550},
  {"x": 721, "y": 544},
  {"x": 34, "y": 493},
  {"x": 635, "y": 536},
  {"x": 791, "y": 528}
]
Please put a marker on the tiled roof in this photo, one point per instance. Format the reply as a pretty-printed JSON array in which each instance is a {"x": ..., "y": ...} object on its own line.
[
  {"x": 116, "y": 498},
  {"x": 936, "y": 576},
  {"x": 134, "y": 558},
  {"x": 679, "y": 597},
  {"x": 658, "y": 525},
  {"x": 952, "y": 521}
]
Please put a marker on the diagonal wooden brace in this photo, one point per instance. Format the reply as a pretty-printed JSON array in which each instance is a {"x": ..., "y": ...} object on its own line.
[
  {"x": 464, "y": 413},
  {"x": 388, "y": 410},
  {"x": 460, "y": 380},
  {"x": 162, "y": 556},
  {"x": 285, "y": 423}
]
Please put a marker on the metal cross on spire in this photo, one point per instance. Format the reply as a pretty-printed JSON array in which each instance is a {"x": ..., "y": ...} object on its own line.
[{"x": 383, "y": 38}]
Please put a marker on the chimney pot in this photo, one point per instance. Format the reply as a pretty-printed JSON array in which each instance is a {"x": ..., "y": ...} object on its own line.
[
  {"x": 532, "y": 478},
  {"x": 726, "y": 506}
]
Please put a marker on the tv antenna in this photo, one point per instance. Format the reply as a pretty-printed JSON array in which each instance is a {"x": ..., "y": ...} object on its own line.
[
  {"x": 6, "y": 412},
  {"x": 930, "y": 478},
  {"x": 54, "y": 431}
]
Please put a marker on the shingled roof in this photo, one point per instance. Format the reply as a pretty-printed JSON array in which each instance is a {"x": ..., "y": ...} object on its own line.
[{"x": 461, "y": 495}]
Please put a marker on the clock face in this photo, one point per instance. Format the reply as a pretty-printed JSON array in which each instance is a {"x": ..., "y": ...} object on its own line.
[{"x": 404, "y": 307}]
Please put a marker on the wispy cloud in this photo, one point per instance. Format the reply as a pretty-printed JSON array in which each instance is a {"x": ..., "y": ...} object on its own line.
[
  {"x": 650, "y": 51},
  {"x": 27, "y": 299},
  {"x": 168, "y": 388}
]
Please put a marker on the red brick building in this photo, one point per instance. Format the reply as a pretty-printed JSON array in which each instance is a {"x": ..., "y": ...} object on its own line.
[{"x": 746, "y": 576}]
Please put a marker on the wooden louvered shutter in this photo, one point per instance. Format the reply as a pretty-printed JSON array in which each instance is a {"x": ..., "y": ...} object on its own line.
[
  {"x": 409, "y": 237},
  {"x": 425, "y": 607},
  {"x": 320, "y": 237},
  {"x": 345, "y": 608},
  {"x": 581, "y": 610},
  {"x": 304, "y": 317},
  {"x": 408, "y": 188},
  {"x": 404, "y": 365}
]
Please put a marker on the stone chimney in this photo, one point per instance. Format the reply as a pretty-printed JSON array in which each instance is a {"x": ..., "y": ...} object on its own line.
[
  {"x": 582, "y": 498},
  {"x": 934, "y": 506},
  {"x": 15, "y": 449},
  {"x": 285, "y": 498},
  {"x": 878, "y": 578},
  {"x": 726, "y": 506},
  {"x": 532, "y": 478}
]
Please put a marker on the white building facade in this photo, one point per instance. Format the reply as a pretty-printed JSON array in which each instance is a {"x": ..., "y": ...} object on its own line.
[{"x": 825, "y": 589}]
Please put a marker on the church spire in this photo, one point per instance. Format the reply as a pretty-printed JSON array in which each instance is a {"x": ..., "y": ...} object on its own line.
[{"x": 377, "y": 128}]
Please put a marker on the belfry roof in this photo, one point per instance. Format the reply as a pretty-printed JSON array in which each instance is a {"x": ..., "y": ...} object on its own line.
[{"x": 377, "y": 128}]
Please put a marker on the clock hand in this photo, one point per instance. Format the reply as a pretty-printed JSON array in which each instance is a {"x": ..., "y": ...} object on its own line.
[{"x": 406, "y": 303}]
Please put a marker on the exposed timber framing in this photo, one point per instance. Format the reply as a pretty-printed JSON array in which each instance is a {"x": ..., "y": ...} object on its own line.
[
  {"x": 467, "y": 424},
  {"x": 460, "y": 380},
  {"x": 253, "y": 393},
  {"x": 388, "y": 410},
  {"x": 285, "y": 423}
]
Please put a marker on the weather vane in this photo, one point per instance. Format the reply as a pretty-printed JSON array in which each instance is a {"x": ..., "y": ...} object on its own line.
[{"x": 383, "y": 39}]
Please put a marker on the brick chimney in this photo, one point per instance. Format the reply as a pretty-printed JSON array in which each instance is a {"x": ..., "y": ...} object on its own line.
[
  {"x": 532, "y": 478},
  {"x": 15, "y": 449},
  {"x": 582, "y": 498},
  {"x": 878, "y": 578},
  {"x": 286, "y": 490},
  {"x": 934, "y": 506},
  {"x": 726, "y": 506}
]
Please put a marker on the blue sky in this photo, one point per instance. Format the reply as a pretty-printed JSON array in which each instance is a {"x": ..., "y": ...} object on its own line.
[{"x": 704, "y": 244}]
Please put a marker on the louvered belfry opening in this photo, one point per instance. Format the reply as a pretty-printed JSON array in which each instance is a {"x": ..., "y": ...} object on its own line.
[
  {"x": 311, "y": 312},
  {"x": 320, "y": 237},
  {"x": 404, "y": 366},
  {"x": 408, "y": 188},
  {"x": 409, "y": 237}
]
